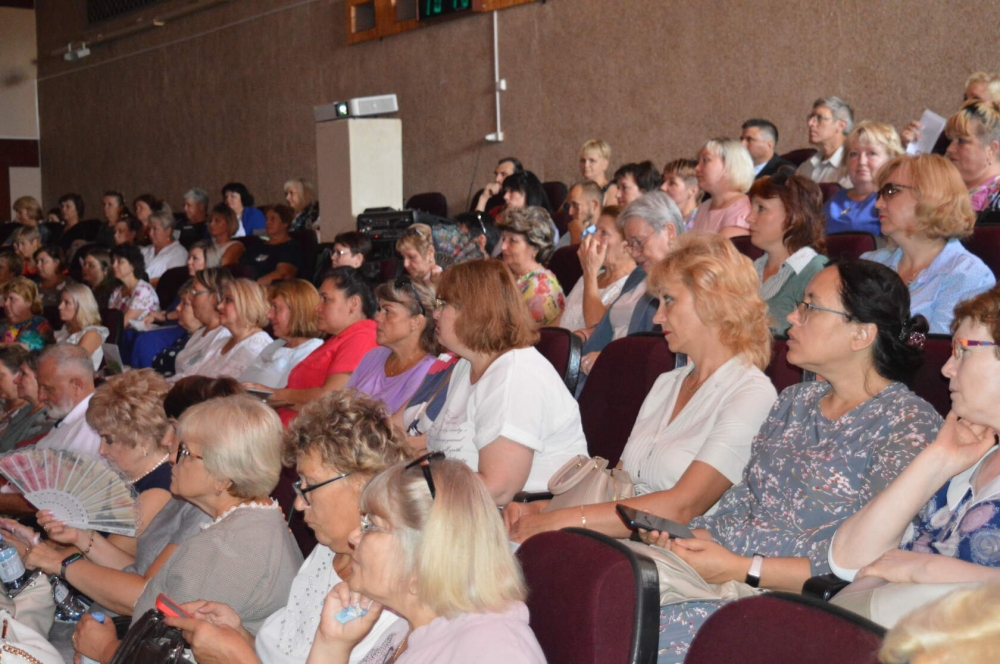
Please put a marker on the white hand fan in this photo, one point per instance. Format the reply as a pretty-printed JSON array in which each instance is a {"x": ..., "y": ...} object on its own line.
[{"x": 80, "y": 491}]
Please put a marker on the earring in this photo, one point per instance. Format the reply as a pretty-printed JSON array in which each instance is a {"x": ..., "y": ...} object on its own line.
[{"x": 145, "y": 453}]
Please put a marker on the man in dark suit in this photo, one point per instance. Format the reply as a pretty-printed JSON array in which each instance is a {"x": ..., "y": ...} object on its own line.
[{"x": 759, "y": 138}]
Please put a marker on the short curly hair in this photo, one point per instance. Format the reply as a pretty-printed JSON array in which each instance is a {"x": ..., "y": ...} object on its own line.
[
  {"x": 349, "y": 431},
  {"x": 25, "y": 289},
  {"x": 128, "y": 408},
  {"x": 535, "y": 225}
]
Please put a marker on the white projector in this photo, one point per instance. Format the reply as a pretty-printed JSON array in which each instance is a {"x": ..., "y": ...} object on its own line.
[{"x": 359, "y": 107}]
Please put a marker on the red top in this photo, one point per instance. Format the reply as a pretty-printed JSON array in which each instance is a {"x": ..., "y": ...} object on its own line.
[{"x": 339, "y": 354}]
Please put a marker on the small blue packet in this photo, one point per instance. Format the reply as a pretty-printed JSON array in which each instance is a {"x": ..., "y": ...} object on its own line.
[{"x": 350, "y": 613}]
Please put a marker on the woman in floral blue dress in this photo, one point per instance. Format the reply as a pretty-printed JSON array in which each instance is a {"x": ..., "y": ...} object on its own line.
[
  {"x": 824, "y": 451},
  {"x": 939, "y": 521}
]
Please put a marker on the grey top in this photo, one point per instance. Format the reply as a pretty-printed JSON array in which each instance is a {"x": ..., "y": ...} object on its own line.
[
  {"x": 22, "y": 425},
  {"x": 247, "y": 560},
  {"x": 807, "y": 474},
  {"x": 175, "y": 523}
]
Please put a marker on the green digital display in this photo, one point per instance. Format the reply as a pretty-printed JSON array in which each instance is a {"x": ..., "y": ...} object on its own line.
[{"x": 435, "y": 8}]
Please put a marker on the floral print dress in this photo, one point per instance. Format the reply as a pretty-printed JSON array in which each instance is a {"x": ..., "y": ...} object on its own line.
[
  {"x": 33, "y": 333},
  {"x": 543, "y": 295},
  {"x": 806, "y": 475}
]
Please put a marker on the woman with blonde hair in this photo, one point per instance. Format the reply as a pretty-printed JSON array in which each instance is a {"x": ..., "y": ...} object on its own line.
[
  {"x": 924, "y": 209},
  {"x": 416, "y": 246},
  {"x": 243, "y": 311},
  {"x": 432, "y": 548},
  {"x": 691, "y": 439},
  {"x": 508, "y": 413},
  {"x": 680, "y": 182},
  {"x": 25, "y": 325},
  {"x": 867, "y": 147},
  {"x": 81, "y": 322},
  {"x": 293, "y": 322},
  {"x": 595, "y": 158},
  {"x": 974, "y": 132},
  {"x": 526, "y": 245},
  {"x": 28, "y": 211},
  {"x": 301, "y": 197},
  {"x": 26, "y": 240},
  {"x": 725, "y": 172}
]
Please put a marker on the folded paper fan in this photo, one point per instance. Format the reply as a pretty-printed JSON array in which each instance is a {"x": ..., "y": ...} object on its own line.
[{"x": 80, "y": 491}]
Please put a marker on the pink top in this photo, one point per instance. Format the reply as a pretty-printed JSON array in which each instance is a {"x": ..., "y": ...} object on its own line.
[
  {"x": 707, "y": 219},
  {"x": 483, "y": 638}
]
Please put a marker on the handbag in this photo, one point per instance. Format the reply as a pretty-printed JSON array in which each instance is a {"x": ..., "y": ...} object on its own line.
[
  {"x": 19, "y": 644},
  {"x": 586, "y": 481},
  {"x": 150, "y": 641}
]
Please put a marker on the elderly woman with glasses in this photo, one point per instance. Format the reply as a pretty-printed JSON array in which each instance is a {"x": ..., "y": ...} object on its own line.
[
  {"x": 924, "y": 209},
  {"x": 526, "y": 245},
  {"x": 337, "y": 444},
  {"x": 228, "y": 462},
  {"x": 207, "y": 334},
  {"x": 431, "y": 548}
]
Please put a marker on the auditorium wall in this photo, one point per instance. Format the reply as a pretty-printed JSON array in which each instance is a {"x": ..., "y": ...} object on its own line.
[{"x": 227, "y": 93}]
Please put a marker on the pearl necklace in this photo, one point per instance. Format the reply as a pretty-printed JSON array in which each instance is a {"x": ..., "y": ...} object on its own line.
[
  {"x": 158, "y": 464},
  {"x": 270, "y": 505}
]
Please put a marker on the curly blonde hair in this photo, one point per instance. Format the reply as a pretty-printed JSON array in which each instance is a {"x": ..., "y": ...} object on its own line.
[
  {"x": 726, "y": 292},
  {"x": 943, "y": 207},
  {"x": 128, "y": 408}
]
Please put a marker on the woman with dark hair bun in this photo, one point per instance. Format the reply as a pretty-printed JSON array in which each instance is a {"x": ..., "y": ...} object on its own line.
[{"x": 826, "y": 449}]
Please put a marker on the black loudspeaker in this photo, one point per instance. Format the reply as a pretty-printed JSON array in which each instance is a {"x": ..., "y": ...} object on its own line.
[{"x": 384, "y": 226}]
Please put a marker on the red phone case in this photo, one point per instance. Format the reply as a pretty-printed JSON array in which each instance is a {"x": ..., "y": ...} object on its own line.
[{"x": 170, "y": 608}]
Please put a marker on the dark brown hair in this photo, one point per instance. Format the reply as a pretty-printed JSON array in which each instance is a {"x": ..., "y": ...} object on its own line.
[{"x": 805, "y": 222}]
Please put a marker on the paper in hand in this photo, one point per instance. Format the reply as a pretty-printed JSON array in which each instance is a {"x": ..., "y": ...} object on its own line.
[{"x": 932, "y": 125}]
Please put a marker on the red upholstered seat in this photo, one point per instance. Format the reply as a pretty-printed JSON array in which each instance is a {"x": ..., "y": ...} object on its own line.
[
  {"x": 618, "y": 384},
  {"x": 744, "y": 246},
  {"x": 114, "y": 320},
  {"x": 557, "y": 192},
  {"x": 563, "y": 349},
  {"x": 829, "y": 190},
  {"x": 799, "y": 156},
  {"x": 592, "y": 599},
  {"x": 431, "y": 202},
  {"x": 565, "y": 264},
  {"x": 929, "y": 383},
  {"x": 285, "y": 495},
  {"x": 783, "y": 628},
  {"x": 170, "y": 282},
  {"x": 985, "y": 243},
  {"x": 781, "y": 373},
  {"x": 850, "y": 244}
]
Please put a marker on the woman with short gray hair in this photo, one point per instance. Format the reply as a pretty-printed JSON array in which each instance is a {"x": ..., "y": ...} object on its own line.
[
  {"x": 165, "y": 252},
  {"x": 526, "y": 244}
]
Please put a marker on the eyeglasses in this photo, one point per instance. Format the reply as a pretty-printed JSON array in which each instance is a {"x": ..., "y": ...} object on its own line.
[
  {"x": 183, "y": 452},
  {"x": 341, "y": 252},
  {"x": 635, "y": 246},
  {"x": 965, "y": 344},
  {"x": 890, "y": 189},
  {"x": 301, "y": 492},
  {"x": 804, "y": 308},
  {"x": 440, "y": 303},
  {"x": 406, "y": 282},
  {"x": 424, "y": 463},
  {"x": 819, "y": 119},
  {"x": 368, "y": 527}
]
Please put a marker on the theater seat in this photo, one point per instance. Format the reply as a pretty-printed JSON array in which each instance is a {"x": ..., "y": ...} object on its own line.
[
  {"x": 51, "y": 314},
  {"x": 562, "y": 349},
  {"x": 929, "y": 383},
  {"x": 798, "y": 157},
  {"x": 170, "y": 282},
  {"x": 781, "y": 373},
  {"x": 745, "y": 247},
  {"x": 618, "y": 383},
  {"x": 114, "y": 320},
  {"x": 784, "y": 628},
  {"x": 985, "y": 243},
  {"x": 849, "y": 244},
  {"x": 557, "y": 192},
  {"x": 829, "y": 190},
  {"x": 431, "y": 202},
  {"x": 565, "y": 264},
  {"x": 592, "y": 600}
]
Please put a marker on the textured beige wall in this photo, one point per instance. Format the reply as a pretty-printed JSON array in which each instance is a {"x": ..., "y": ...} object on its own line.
[{"x": 652, "y": 77}]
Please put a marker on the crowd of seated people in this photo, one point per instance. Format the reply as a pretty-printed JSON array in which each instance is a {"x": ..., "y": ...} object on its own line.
[{"x": 412, "y": 405}]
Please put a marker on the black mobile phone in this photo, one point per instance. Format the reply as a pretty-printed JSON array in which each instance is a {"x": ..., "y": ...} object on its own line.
[{"x": 635, "y": 519}]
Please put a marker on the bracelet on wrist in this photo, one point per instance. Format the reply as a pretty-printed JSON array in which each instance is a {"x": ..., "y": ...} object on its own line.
[{"x": 90, "y": 546}]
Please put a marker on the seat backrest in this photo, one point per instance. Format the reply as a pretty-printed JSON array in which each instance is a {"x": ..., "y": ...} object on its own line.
[
  {"x": 781, "y": 373},
  {"x": 782, "y": 628},
  {"x": 829, "y": 190},
  {"x": 615, "y": 389},
  {"x": 557, "y": 192},
  {"x": 114, "y": 320},
  {"x": 310, "y": 251},
  {"x": 285, "y": 495},
  {"x": 170, "y": 282},
  {"x": 51, "y": 314},
  {"x": 929, "y": 383},
  {"x": 799, "y": 156},
  {"x": 745, "y": 247},
  {"x": 850, "y": 244},
  {"x": 431, "y": 202},
  {"x": 565, "y": 264},
  {"x": 985, "y": 243},
  {"x": 563, "y": 349},
  {"x": 591, "y": 599}
]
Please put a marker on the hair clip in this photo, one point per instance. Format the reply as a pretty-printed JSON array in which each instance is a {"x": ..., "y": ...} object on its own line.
[{"x": 917, "y": 340}]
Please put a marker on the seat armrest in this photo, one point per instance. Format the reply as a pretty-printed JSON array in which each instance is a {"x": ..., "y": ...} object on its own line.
[{"x": 531, "y": 496}]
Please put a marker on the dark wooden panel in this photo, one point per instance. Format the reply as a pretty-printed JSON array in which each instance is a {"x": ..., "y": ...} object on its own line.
[{"x": 18, "y": 4}]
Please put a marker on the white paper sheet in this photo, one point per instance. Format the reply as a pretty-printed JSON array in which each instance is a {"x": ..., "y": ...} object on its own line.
[{"x": 932, "y": 127}]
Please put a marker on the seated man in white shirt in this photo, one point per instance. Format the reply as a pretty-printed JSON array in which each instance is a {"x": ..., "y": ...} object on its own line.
[
  {"x": 830, "y": 121},
  {"x": 165, "y": 252},
  {"x": 65, "y": 385}
]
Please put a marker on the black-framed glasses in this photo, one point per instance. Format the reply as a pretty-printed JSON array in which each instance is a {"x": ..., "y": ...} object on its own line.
[
  {"x": 424, "y": 463},
  {"x": 804, "y": 309},
  {"x": 303, "y": 492},
  {"x": 635, "y": 245},
  {"x": 957, "y": 344},
  {"x": 406, "y": 282},
  {"x": 890, "y": 189},
  {"x": 183, "y": 452}
]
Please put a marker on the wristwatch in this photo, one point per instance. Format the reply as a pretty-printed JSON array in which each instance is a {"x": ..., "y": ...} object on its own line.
[
  {"x": 753, "y": 576},
  {"x": 67, "y": 561}
]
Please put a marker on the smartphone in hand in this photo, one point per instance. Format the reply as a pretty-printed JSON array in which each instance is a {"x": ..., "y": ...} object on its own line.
[
  {"x": 635, "y": 519},
  {"x": 169, "y": 607}
]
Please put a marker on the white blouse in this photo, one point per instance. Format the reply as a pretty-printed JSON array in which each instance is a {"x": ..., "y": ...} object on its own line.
[
  {"x": 199, "y": 347},
  {"x": 62, "y": 336},
  {"x": 236, "y": 361},
  {"x": 272, "y": 366},
  {"x": 572, "y": 317}
]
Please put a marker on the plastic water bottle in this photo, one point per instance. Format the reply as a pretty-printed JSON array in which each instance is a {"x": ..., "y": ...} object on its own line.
[
  {"x": 12, "y": 571},
  {"x": 99, "y": 617},
  {"x": 70, "y": 605}
]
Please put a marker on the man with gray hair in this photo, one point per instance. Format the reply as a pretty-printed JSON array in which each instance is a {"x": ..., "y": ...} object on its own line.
[
  {"x": 830, "y": 121},
  {"x": 196, "y": 210},
  {"x": 165, "y": 252},
  {"x": 65, "y": 385},
  {"x": 760, "y": 137}
]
